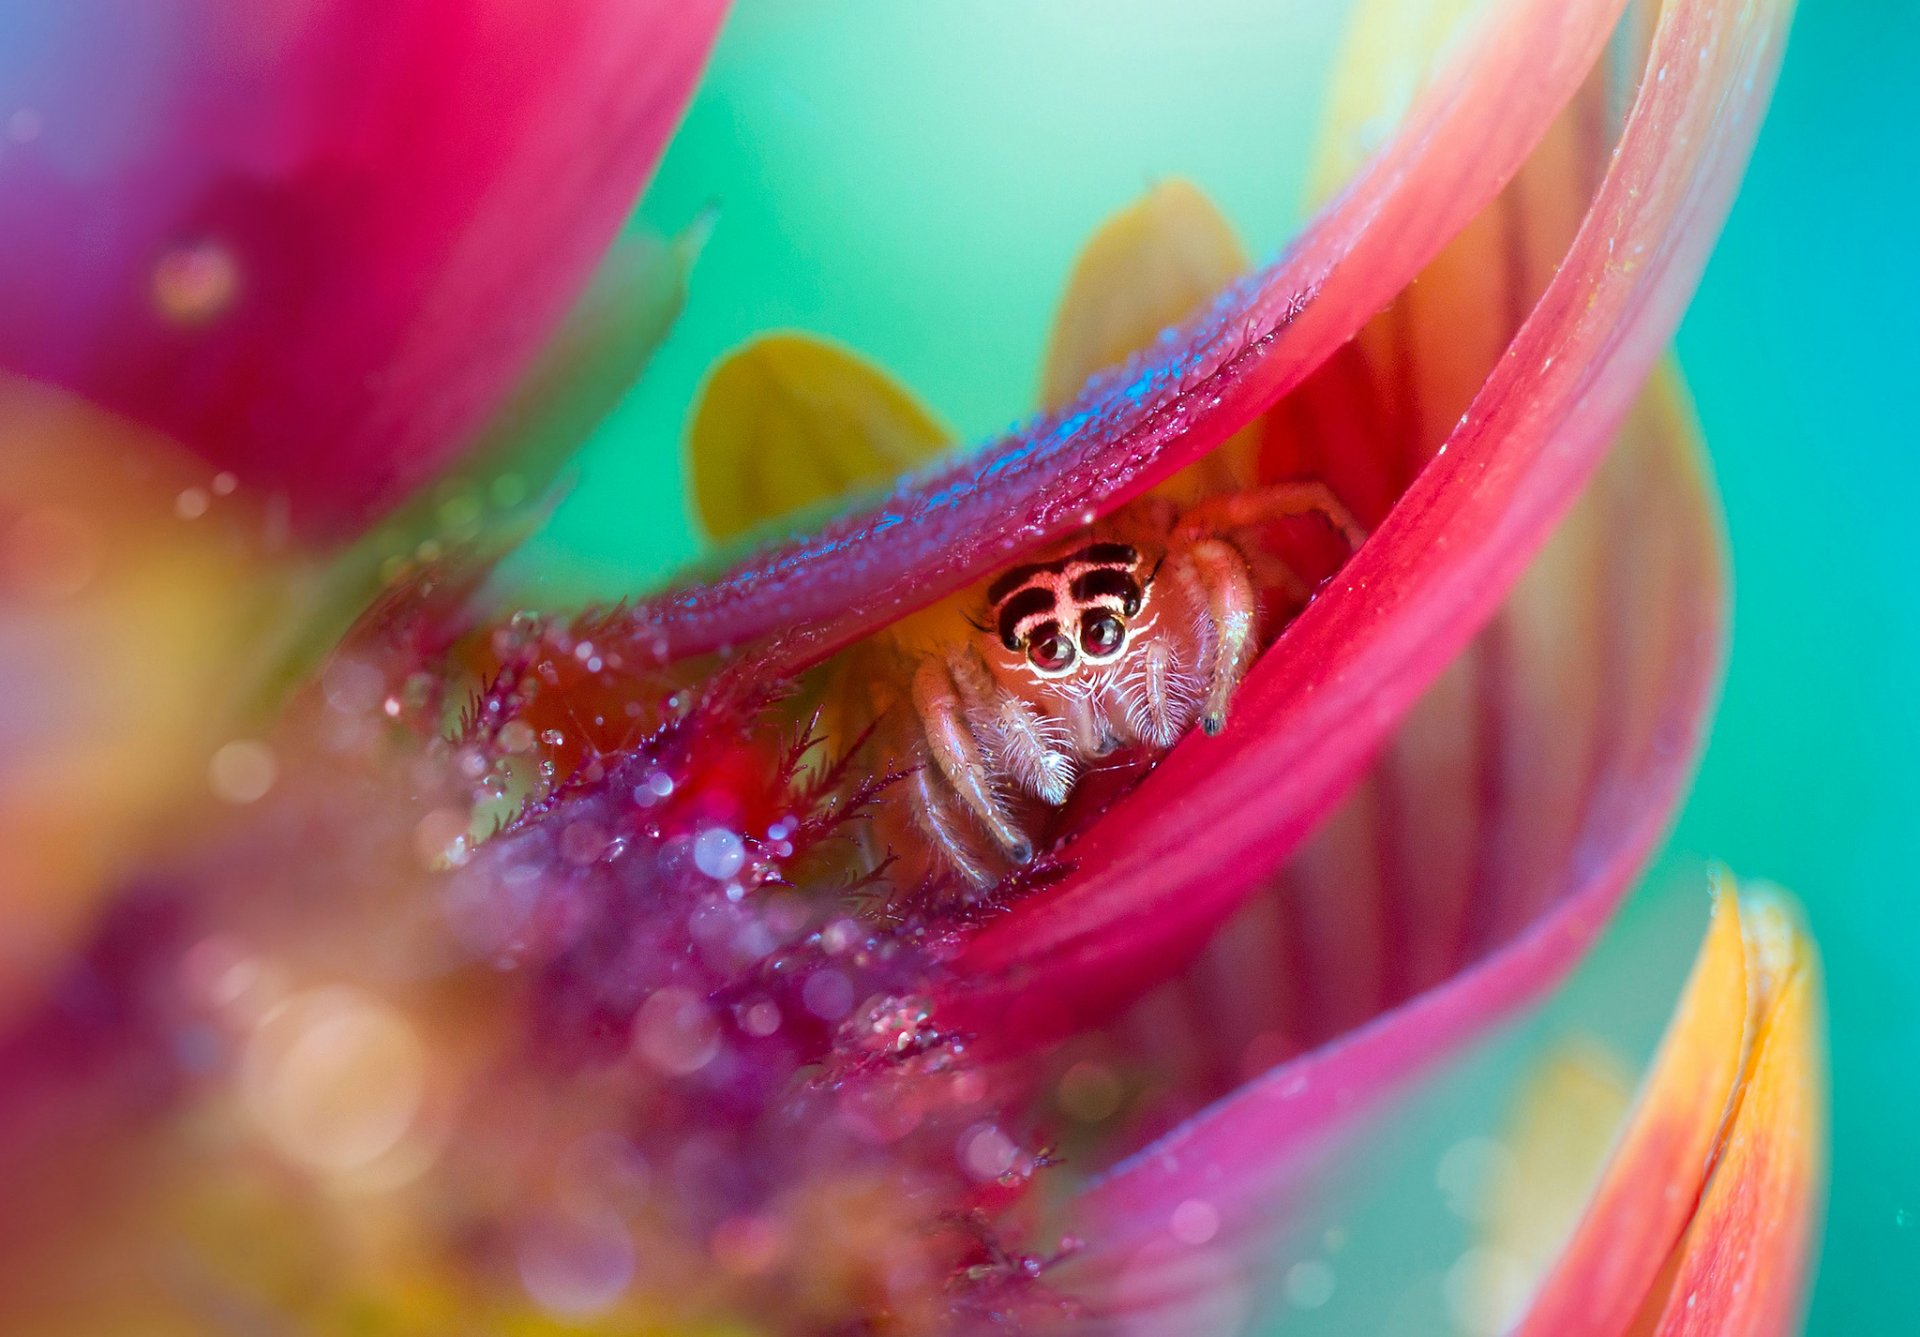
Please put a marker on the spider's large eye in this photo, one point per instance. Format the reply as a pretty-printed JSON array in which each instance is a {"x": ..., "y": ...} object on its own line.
[
  {"x": 1101, "y": 634},
  {"x": 1050, "y": 650}
]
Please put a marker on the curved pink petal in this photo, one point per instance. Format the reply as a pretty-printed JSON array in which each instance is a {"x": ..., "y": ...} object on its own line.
[
  {"x": 317, "y": 243},
  {"x": 1135, "y": 426},
  {"x": 1160, "y": 871},
  {"x": 1657, "y": 599}
]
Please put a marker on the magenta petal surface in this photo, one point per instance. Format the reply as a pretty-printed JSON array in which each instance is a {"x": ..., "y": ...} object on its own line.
[
  {"x": 1133, "y": 427},
  {"x": 1656, "y": 594},
  {"x": 317, "y": 243},
  {"x": 1162, "y": 870}
]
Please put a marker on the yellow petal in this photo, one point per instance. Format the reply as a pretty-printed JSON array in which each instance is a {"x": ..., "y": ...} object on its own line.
[
  {"x": 1391, "y": 51},
  {"x": 1742, "y": 1267},
  {"x": 1149, "y": 266},
  {"x": 130, "y": 590},
  {"x": 1702, "y": 1218},
  {"x": 791, "y": 421},
  {"x": 1564, "y": 1124}
]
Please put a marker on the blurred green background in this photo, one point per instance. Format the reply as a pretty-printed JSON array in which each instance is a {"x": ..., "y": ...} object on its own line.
[{"x": 914, "y": 179}]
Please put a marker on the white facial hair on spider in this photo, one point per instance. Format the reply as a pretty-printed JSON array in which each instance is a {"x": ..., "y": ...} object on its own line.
[{"x": 1128, "y": 636}]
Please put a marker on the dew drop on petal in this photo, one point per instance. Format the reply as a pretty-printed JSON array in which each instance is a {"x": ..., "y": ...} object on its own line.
[
  {"x": 576, "y": 1266},
  {"x": 333, "y": 1078},
  {"x": 828, "y": 995},
  {"x": 1194, "y": 1221},
  {"x": 675, "y": 1032},
  {"x": 1309, "y": 1285},
  {"x": 985, "y": 1152},
  {"x": 242, "y": 771},
  {"x": 1089, "y": 1091},
  {"x": 1485, "y": 1291},
  {"x": 192, "y": 284},
  {"x": 718, "y": 853}
]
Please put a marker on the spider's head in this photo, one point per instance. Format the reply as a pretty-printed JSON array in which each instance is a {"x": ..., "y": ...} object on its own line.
[{"x": 1075, "y": 611}]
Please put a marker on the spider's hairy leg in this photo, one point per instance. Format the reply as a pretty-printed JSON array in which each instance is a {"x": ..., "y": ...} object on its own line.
[
  {"x": 935, "y": 809},
  {"x": 1029, "y": 746},
  {"x": 1275, "y": 501},
  {"x": 1231, "y": 604},
  {"x": 943, "y": 715}
]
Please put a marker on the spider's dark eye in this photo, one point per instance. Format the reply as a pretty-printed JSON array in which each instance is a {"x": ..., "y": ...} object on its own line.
[
  {"x": 1050, "y": 650},
  {"x": 1101, "y": 634}
]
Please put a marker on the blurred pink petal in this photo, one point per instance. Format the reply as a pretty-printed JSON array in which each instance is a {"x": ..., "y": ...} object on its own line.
[{"x": 318, "y": 243}]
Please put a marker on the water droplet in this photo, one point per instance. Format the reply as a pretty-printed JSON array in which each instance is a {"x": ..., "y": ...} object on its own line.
[
  {"x": 719, "y": 853},
  {"x": 1089, "y": 1091},
  {"x": 828, "y": 995},
  {"x": 985, "y": 1152},
  {"x": 676, "y": 1032},
  {"x": 1194, "y": 1221},
  {"x": 1309, "y": 1285},
  {"x": 334, "y": 1078},
  {"x": 242, "y": 771},
  {"x": 193, "y": 284}
]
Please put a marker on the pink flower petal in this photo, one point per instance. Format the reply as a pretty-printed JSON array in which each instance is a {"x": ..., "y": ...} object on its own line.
[
  {"x": 1269, "y": 978},
  {"x": 1161, "y": 870},
  {"x": 318, "y": 243},
  {"x": 1137, "y": 425}
]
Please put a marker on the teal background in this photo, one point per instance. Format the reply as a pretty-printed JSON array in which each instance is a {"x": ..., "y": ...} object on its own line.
[{"x": 914, "y": 179}]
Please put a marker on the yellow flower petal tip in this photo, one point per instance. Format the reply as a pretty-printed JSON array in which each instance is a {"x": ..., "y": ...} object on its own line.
[
  {"x": 1391, "y": 50},
  {"x": 790, "y": 422},
  {"x": 1705, "y": 1215},
  {"x": 1148, "y": 266}
]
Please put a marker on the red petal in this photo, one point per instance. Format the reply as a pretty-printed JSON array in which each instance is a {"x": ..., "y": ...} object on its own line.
[
  {"x": 1159, "y": 872},
  {"x": 318, "y": 243},
  {"x": 1135, "y": 426},
  {"x": 1659, "y": 660}
]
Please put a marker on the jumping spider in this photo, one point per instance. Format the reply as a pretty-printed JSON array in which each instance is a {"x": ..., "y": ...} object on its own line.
[{"x": 1127, "y": 636}]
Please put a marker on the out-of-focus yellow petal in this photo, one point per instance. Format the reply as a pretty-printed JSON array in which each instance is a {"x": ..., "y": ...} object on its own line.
[
  {"x": 791, "y": 421},
  {"x": 1391, "y": 51},
  {"x": 1562, "y": 1129},
  {"x": 130, "y": 582},
  {"x": 1149, "y": 266},
  {"x": 1702, "y": 1218}
]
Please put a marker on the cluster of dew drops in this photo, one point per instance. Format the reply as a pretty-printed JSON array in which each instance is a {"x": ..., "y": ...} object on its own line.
[{"x": 665, "y": 860}]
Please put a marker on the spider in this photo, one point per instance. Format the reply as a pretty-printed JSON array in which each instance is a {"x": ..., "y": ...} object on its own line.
[{"x": 1129, "y": 635}]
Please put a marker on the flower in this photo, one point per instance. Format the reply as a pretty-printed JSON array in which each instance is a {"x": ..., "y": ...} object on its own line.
[{"x": 536, "y": 979}]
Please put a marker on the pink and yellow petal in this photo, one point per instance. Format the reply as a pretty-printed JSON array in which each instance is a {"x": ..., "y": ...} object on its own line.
[
  {"x": 1745, "y": 1262},
  {"x": 1703, "y": 1220}
]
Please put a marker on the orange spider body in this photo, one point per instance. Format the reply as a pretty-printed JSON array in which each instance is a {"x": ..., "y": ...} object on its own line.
[{"x": 1127, "y": 636}]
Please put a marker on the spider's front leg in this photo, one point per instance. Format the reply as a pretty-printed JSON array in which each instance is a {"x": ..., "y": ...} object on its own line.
[
  {"x": 941, "y": 704},
  {"x": 1231, "y": 606},
  {"x": 1261, "y": 505}
]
